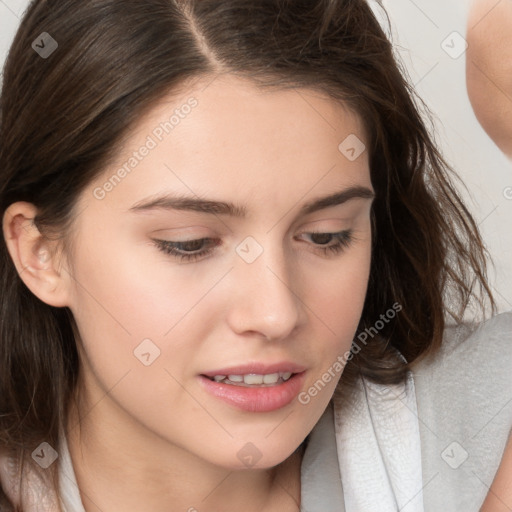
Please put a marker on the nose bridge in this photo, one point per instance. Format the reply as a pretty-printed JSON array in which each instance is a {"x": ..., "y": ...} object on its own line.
[{"x": 266, "y": 302}]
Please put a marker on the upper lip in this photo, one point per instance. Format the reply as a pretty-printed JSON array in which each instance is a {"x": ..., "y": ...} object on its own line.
[{"x": 257, "y": 368}]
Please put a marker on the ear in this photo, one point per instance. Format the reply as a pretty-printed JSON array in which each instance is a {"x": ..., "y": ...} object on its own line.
[{"x": 37, "y": 259}]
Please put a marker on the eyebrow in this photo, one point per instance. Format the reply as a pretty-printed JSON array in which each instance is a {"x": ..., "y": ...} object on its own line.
[{"x": 172, "y": 202}]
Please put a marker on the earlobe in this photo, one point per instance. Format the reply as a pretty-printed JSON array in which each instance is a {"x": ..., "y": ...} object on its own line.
[{"x": 35, "y": 257}]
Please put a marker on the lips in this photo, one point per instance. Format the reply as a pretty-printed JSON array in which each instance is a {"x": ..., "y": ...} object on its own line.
[
  {"x": 254, "y": 398},
  {"x": 256, "y": 386}
]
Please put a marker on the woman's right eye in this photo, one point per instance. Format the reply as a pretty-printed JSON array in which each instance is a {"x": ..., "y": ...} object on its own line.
[{"x": 188, "y": 250}]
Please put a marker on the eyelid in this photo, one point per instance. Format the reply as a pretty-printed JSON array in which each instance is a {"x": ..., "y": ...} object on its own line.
[
  {"x": 167, "y": 247},
  {"x": 194, "y": 231}
]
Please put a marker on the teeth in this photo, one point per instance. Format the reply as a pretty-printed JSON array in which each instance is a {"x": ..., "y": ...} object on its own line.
[
  {"x": 253, "y": 379},
  {"x": 271, "y": 378}
]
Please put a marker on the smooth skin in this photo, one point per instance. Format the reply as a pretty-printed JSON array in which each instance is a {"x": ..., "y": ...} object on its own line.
[
  {"x": 151, "y": 437},
  {"x": 489, "y": 68}
]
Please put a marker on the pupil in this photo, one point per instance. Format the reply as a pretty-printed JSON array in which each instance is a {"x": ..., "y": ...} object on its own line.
[
  {"x": 322, "y": 238},
  {"x": 193, "y": 245}
]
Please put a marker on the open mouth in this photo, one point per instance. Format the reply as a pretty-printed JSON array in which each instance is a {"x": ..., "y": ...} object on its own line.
[{"x": 254, "y": 392}]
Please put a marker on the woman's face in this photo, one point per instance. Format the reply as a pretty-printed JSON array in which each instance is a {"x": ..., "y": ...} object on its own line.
[{"x": 260, "y": 294}]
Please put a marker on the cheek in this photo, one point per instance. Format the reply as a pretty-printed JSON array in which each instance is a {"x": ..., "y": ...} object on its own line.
[
  {"x": 340, "y": 294},
  {"x": 338, "y": 303},
  {"x": 134, "y": 296},
  {"x": 126, "y": 309},
  {"x": 139, "y": 335}
]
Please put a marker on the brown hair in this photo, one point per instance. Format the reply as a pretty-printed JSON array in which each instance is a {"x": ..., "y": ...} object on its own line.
[{"x": 63, "y": 118}]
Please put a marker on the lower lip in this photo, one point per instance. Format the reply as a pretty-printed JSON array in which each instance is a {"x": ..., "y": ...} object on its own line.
[{"x": 256, "y": 399}]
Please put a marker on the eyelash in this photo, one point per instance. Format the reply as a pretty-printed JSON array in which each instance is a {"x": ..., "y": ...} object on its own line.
[{"x": 345, "y": 239}]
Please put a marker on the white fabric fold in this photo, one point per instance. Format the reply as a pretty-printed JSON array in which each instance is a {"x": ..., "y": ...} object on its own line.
[
  {"x": 379, "y": 450},
  {"x": 69, "y": 492}
]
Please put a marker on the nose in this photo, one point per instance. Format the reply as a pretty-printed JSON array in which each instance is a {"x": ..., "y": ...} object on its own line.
[{"x": 265, "y": 296}]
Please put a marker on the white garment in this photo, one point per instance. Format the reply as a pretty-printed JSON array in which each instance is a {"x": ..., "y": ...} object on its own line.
[
  {"x": 70, "y": 494},
  {"x": 364, "y": 453}
]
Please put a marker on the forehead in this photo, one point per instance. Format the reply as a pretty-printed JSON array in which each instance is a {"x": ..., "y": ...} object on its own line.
[
  {"x": 226, "y": 136},
  {"x": 228, "y": 109}
]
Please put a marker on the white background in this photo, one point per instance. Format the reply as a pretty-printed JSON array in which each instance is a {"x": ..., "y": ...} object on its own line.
[{"x": 419, "y": 28}]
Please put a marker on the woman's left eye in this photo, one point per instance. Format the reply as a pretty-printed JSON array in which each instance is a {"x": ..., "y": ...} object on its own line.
[
  {"x": 343, "y": 240},
  {"x": 190, "y": 250}
]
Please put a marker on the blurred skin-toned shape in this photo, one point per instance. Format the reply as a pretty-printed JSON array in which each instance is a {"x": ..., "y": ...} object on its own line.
[
  {"x": 489, "y": 68},
  {"x": 489, "y": 82}
]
